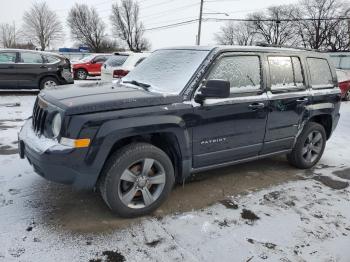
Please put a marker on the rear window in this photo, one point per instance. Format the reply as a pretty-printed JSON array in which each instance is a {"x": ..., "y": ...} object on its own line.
[
  {"x": 285, "y": 73},
  {"x": 117, "y": 60},
  {"x": 243, "y": 72},
  {"x": 31, "y": 58},
  {"x": 321, "y": 76}
]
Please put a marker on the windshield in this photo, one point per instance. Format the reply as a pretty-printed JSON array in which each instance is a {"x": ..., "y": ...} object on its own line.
[
  {"x": 116, "y": 60},
  {"x": 167, "y": 71}
]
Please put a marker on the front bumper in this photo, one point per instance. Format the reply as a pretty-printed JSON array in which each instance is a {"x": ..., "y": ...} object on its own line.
[{"x": 54, "y": 161}]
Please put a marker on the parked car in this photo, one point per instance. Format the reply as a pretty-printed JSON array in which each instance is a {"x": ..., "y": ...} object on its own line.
[
  {"x": 26, "y": 69},
  {"x": 182, "y": 111},
  {"x": 89, "y": 66},
  {"x": 344, "y": 83},
  {"x": 120, "y": 65}
]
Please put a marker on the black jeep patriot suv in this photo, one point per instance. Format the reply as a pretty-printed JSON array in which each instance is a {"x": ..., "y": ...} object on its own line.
[{"x": 182, "y": 111}]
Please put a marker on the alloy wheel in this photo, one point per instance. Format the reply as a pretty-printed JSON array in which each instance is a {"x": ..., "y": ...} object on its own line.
[
  {"x": 313, "y": 146},
  {"x": 141, "y": 183},
  {"x": 81, "y": 74},
  {"x": 50, "y": 83}
]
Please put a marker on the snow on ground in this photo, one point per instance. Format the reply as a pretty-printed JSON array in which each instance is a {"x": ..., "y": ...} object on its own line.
[{"x": 307, "y": 219}]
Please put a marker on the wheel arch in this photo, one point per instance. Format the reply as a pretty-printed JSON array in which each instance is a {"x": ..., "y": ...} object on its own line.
[
  {"x": 324, "y": 120},
  {"x": 169, "y": 136}
]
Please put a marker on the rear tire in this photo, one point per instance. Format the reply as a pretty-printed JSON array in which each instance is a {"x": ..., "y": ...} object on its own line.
[
  {"x": 136, "y": 180},
  {"x": 309, "y": 146},
  {"x": 48, "y": 82},
  {"x": 81, "y": 74}
]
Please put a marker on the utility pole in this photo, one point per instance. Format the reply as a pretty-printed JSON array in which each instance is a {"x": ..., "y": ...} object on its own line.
[{"x": 200, "y": 23}]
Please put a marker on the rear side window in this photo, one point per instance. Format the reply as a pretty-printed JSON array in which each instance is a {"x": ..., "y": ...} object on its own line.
[
  {"x": 31, "y": 58},
  {"x": 117, "y": 60},
  {"x": 243, "y": 72},
  {"x": 285, "y": 73},
  {"x": 7, "y": 58},
  {"x": 52, "y": 59},
  {"x": 321, "y": 76}
]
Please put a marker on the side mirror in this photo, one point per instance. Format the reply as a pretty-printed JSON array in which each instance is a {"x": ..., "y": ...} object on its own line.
[
  {"x": 92, "y": 62},
  {"x": 213, "y": 89}
]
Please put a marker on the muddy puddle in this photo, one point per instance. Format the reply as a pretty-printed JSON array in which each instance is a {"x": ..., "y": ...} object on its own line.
[{"x": 76, "y": 211}]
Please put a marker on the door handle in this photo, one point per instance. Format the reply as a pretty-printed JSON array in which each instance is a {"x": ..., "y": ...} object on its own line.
[
  {"x": 43, "y": 66},
  {"x": 10, "y": 67},
  {"x": 256, "y": 106},
  {"x": 302, "y": 100}
]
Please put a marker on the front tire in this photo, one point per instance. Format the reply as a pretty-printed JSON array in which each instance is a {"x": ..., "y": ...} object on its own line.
[
  {"x": 136, "y": 180},
  {"x": 309, "y": 146}
]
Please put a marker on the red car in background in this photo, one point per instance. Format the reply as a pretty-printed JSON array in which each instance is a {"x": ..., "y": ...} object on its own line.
[
  {"x": 89, "y": 66},
  {"x": 344, "y": 83}
]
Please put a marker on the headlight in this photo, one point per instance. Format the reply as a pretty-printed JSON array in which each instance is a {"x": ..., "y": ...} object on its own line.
[{"x": 56, "y": 125}]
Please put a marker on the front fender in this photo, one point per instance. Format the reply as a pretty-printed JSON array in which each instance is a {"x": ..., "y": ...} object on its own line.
[{"x": 115, "y": 130}]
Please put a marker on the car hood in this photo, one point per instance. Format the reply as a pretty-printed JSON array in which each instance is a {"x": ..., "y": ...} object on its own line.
[{"x": 88, "y": 98}]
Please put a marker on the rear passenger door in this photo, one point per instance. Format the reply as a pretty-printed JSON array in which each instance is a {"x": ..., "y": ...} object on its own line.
[
  {"x": 29, "y": 69},
  {"x": 288, "y": 98},
  {"x": 323, "y": 82},
  {"x": 8, "y": 71},
  {"x": 233, "y": 128}
]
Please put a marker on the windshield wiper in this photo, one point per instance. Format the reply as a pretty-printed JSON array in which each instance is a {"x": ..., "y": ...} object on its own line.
[{"x": 140, "y": 84}]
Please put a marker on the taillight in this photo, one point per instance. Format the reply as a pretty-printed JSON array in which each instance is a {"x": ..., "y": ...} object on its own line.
[{"x": 120, "y": 73}]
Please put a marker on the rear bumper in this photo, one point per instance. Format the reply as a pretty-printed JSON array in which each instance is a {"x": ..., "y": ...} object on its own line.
[{"x": 53, "y": 161}]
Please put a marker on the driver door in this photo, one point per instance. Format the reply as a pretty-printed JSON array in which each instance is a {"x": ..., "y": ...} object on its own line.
[{"x": 231, "y": 129}]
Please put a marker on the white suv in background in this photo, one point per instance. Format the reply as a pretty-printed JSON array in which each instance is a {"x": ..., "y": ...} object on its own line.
[{"x": 118, "y": 66}]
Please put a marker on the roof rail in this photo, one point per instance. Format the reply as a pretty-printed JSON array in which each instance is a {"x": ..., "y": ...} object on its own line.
[{"x": 263, "y": 44}]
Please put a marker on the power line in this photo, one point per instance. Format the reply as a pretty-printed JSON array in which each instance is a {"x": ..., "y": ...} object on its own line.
[
  {"x": 275, "y": 20},
  {"x": 172, "y": 25}
]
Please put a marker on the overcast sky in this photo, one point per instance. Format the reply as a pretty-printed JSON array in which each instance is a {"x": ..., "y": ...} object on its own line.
[{"x": 153, "y": 13}]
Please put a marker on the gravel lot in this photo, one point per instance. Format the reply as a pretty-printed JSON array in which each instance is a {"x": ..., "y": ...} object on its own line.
[{"x": 259, "y": 211}]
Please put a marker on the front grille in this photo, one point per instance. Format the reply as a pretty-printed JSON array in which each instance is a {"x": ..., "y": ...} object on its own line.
[{"x": 39, "y": 118}]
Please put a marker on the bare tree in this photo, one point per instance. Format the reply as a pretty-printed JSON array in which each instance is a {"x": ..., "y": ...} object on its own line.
[
  {"x": 236, "y": 34},
  {"x": 315, "y": 33},
  {"x": 270, "y": 25},
  {"x": 8, "y": 35},
  {"x": 338, "y": 39},
  {"x": 87, "y": 27},
  {"x": 127, "y": 26},
  {"x": 41, "y": 25}
]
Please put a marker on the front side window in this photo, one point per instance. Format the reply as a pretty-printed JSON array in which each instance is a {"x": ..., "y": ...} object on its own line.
[
  {"x": 7, "y": 58},
  {"x": 321, "y": 76},
  {"x": 285, "y": 73},
  {"x": 31, "y": 58},
  {"x": 243, "y": 72}
]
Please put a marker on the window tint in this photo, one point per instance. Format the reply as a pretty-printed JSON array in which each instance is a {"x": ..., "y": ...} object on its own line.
[
  {"x": 116, "y": 60},
  {"x": 243, "y": 72},
  {"x": 6, "y": 58},
  {"x": 100, "y": 59},
  {"x": 321, "y": 75},
  {"x": 31, "y": 58},
  {"x": 285, "y": 72},
  {"x": 52, "y": 59}
]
